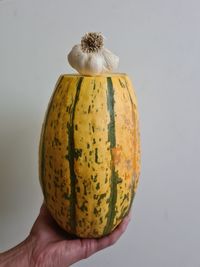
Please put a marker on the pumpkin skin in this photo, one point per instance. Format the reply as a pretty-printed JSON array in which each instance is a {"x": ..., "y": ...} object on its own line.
[{"x": 89, "y": 158}]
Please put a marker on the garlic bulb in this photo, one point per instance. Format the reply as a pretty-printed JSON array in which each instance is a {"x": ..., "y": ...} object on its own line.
[{"x": 90, "y": 57}]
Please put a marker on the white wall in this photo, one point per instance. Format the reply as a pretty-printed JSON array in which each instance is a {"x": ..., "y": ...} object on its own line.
[{"x": 159, "y": 46}]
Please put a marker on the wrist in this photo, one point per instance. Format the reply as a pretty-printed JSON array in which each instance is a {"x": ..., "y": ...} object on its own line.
[{"x": 19, "y": 255}]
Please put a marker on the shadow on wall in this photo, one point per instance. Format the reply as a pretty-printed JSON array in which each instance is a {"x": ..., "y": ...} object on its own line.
[{"x": 19, "y": 142}]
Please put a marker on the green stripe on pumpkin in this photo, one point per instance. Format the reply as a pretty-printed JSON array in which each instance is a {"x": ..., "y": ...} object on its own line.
[
  {"x": 71, "y": 157},
  {"x": 112, "y": 140}
]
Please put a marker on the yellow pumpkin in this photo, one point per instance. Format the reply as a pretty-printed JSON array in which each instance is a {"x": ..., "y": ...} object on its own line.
[{"x": 90, "y": 153}]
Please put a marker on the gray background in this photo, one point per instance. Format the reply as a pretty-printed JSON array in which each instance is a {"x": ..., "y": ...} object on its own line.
[{"x": 158, "y": 43}]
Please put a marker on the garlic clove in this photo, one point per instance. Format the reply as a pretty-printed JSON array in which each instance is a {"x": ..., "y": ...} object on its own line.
[
  {"x": 76, "y": 57},
  {"x": 111, "y": 60},
  {"x": 93, "y": 65}
]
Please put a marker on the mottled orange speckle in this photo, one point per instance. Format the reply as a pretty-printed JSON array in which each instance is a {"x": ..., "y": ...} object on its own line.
[{"x": 116, "y": 154}]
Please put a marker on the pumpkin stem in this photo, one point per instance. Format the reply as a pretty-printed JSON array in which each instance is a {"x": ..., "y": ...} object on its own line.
[{"x": 92, "y": 42}]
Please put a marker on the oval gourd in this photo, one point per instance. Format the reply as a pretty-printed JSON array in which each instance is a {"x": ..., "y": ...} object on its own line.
[{"x": 90, "y": 153}]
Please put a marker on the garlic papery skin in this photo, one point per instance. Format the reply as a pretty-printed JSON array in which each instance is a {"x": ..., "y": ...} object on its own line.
[
  {"x": 111, "y": 60},
  {"x": 91, "y": 58}
]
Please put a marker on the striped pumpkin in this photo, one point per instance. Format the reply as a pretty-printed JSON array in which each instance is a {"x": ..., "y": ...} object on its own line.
[{"x": 90, "y": 153}]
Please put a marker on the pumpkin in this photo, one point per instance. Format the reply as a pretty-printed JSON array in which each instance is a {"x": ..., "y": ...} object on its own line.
[{"x": 89, "y": 157}]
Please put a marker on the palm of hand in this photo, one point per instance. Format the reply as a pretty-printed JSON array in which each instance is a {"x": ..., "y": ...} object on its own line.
[{"x": 53, "y": 247}]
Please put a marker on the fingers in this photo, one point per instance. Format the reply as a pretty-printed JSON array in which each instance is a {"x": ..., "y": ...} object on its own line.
[
  {"x": 90, "y": 246},
  {"x": 75, "y": 250},
  {"x": 114, "y": 236}
]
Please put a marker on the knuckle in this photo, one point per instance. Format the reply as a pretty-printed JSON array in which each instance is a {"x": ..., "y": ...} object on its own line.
[{"x": 89, "y": 249}]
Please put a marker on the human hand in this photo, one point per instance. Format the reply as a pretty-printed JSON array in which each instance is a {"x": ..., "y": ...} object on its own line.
[
  {"x": 49, "y": 246},
  {"x": 54, "y": 248}
]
